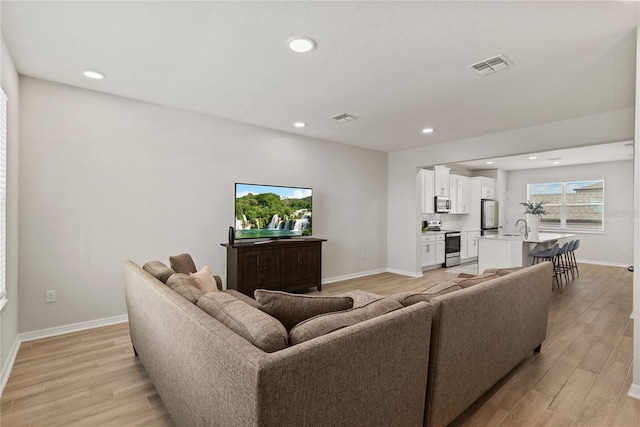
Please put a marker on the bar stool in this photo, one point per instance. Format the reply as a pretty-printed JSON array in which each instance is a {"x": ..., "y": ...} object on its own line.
[
  {"x": 548, "y": 255},
  {"x": 572, "y": 255},
  {"x": 561, "y": 266}
]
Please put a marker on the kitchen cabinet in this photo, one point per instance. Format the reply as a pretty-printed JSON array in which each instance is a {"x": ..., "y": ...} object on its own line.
[
  {"x": 433, "y": 249},
  {"x": 427, "y": 180},
  {"x": 472, "y": 244},
  {"x": 440, "y": 255},
  {"x": 441, "y": 179},
  {"x": 488, "y": 188},
  {"x": 460, "y": 194},
  {"x": 428, "y": 250},
  {"x": 463, "y": 245}
]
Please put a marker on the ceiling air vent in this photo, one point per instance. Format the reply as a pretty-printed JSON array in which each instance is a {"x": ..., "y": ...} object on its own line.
[
  {"x": 343, "y": 117},
  {"x": 491, "y": 65}
]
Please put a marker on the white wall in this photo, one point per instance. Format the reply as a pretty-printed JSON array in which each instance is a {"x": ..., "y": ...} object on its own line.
[
  {"x": 9, "y": 314},
  {"x": 104, "y": 179},
  {"x": 615, "y": 244},
  {"x": 403, "y": 217}
]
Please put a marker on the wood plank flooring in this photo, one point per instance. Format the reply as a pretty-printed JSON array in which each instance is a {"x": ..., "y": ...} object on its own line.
[{"x": 580, "y": 377}]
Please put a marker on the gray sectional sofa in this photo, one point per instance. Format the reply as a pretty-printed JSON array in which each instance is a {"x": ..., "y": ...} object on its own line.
[{"x": 421, "y": 364}]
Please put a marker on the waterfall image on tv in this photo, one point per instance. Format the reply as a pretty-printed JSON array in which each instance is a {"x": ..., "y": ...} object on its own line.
[{"x": 267, "y": 211}]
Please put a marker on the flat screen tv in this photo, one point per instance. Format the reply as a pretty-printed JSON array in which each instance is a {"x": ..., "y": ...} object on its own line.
[{"x": 270, "y": 211}]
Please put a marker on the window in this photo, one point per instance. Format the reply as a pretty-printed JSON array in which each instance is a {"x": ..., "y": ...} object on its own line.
[
  {"x": 572, "y": 205},
  {"x": 3, "y": 198}
]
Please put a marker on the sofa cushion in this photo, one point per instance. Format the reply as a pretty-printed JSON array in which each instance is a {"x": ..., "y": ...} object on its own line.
[
  {"x": 255, "y": 326},
  {"x": 502, "y": 271},
  {"x": 291, "y": 309},
  {"x": 182, "y": 263},
  {"x": 185, "y": 286},
  {"x": 467, "y": 282},
  {"x": 409, "y": 298},
  {"x": 326, "y": 323},
  {"x": 241, "y": 297},
  {"x": 204, "y": 279},
  {"x": 158, "y": 270}
]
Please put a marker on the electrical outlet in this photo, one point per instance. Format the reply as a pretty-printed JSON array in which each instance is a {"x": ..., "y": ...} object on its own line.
[
  {"x": 362, "y": 255},
  {"x": 51, "y": 296},
  {"x": 623, "y": 249}
]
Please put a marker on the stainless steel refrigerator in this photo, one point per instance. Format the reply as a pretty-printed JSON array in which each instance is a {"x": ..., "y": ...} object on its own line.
[{"x": 489, "y": 217}]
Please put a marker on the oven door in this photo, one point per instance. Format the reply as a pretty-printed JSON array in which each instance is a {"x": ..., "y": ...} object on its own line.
[{"x": 451, "y": 243}]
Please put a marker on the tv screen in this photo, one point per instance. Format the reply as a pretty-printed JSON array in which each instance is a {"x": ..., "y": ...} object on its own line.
[{"x": 269, "y": 211}]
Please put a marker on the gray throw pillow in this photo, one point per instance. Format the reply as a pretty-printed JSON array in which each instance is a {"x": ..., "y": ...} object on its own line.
[
  {"x": 257, "y": 327},
  {"x": 158, "y": 270},
  {"x": 183, "y": 263},
  {"x": 185, "y": 286},
  {"x": 291, "y": 309},
  {"x": 326, "y": 323}
]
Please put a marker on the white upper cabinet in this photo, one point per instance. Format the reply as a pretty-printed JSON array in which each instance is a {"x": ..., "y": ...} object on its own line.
[
  {"x": 460, "y": 194},
  {"x": 488, "y": 188},
  {"x": 427, "y": 178},
  {"x": 441, "y": 181}
]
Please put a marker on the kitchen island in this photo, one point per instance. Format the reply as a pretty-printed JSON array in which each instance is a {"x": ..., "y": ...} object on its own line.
[{"x": 509, "y": 250}]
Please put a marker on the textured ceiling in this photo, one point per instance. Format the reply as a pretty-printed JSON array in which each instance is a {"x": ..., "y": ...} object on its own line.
[{"x": 397, "y": 66}]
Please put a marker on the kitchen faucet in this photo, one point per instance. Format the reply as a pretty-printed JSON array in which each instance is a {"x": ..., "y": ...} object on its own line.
[{"x": 526, "y": 228}]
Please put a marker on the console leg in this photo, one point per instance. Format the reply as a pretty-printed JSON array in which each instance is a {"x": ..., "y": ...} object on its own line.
[
  {"x": 537, "y": 349},
  {"x": 319, "y": 287}
]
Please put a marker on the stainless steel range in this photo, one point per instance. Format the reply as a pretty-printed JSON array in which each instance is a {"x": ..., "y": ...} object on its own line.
[{"x": 452, "y": 248}]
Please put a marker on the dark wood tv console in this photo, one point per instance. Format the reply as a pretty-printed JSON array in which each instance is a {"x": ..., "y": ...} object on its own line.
[{"x": 283, "y": 265}]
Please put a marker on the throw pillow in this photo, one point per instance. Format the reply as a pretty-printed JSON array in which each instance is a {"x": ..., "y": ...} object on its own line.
[
  {"x": 291, "y": 309},
  {"x": 185, "y": 286},
  {"x": 326, "y": 323},
  {"x": 255, "y": 326},
  {"x": 183, "y": 263},
  {"x": 158, "y": 270},
  {"x": 204, "y": 279}
]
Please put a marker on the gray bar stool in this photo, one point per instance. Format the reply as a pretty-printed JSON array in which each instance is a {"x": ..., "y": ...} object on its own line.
[{"x": 548, "y": 255}]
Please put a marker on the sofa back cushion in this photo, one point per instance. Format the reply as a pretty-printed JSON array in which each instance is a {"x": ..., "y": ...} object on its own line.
[
  {"x": 255, "y": 326},
  {"x": 502, "y": 271},
  {"x": 158, "y": 270},
  {"x": 326, "y": 323},
  {"x": 183, "y": 263},
  {"x": 291, "y": 309},
  {"x": 409, "y": 298},
  {"x": 471, "y": 281},
  {"x": 185, "y": 286}
]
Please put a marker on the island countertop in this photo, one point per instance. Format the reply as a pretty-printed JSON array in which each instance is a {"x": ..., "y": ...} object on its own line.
[{"x": 542, "y": 237}]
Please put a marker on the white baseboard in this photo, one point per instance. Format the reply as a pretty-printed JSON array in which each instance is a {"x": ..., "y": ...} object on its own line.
[
  {"x": 607, "y": 263},
  {"x": 353, "y": 276},
  {"x": 6, "y": 368},
  {"x": 74, "y": 327},
  {"x": 634, "y": 391}
]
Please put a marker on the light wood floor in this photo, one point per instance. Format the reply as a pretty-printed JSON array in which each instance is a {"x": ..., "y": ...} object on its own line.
[{"x": 581, "y": 376}]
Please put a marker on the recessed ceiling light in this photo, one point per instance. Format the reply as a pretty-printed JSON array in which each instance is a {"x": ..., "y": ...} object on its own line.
[
  {"x": 489, "y": 163},
  {"x": 557, "y": 162},
  {"x": 427, "y": 130},
  {"x": 301, "y": 44},
  {"x": 532, "y": 157},
  {"x": 93, "y": 74},
  {"x": 299, "y": 124}
]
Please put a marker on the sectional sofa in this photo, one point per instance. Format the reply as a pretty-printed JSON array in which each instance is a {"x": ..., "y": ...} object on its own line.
[{"x": 420, "y": 361}]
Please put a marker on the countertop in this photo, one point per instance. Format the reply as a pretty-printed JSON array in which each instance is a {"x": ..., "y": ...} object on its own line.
[{"x": 542, "y": 237}]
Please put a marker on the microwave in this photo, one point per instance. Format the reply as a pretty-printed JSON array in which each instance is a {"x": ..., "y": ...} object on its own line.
[{"x": 442, "y": 204}]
